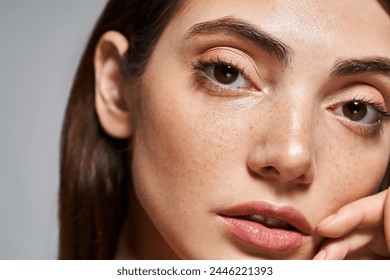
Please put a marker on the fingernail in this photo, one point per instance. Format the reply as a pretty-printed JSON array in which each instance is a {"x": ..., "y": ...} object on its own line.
[
  {"x": 320, "y": 256},
  {"x": 327, "y": 220}
]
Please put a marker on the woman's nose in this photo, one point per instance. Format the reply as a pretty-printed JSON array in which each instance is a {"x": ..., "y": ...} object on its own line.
[{"x": 284, "y": 148}]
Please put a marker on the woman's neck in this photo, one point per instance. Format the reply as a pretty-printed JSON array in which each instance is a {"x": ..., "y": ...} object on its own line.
[{"x": 139, "y": 238}]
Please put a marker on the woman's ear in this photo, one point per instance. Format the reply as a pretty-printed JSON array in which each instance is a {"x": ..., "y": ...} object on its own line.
[{"x": 110, "y": 92}]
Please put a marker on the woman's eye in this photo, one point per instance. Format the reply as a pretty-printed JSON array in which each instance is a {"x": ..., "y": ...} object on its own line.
[
  {"x": 358, "y": 112},
  {"x": 226, "y": 75}
]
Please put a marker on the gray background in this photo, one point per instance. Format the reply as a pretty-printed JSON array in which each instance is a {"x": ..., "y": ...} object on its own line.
[{"x": 40, "y": 44}]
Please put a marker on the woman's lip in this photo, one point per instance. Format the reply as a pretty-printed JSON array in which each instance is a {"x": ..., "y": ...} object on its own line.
[
  {"x": 260, "y": 236},
  {"x": 266, "y": 209}
]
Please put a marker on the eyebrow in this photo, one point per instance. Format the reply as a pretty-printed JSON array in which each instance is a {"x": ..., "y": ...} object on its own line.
[
  {"x": 279, "y": 50},
  {"x": 271, "y": 45},
  {"x": 359, "y": 66}
]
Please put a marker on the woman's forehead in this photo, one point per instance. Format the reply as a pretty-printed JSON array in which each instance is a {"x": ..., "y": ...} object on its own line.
[{"x": 349, "y": 25}]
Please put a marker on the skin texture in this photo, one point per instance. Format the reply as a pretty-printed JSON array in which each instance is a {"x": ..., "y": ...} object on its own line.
[{"x": 279, "y": 137}]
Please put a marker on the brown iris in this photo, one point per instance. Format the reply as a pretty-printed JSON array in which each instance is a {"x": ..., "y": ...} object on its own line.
[
  {"x": 225, "y": 74},
  {"x": 355, "y": 111}
]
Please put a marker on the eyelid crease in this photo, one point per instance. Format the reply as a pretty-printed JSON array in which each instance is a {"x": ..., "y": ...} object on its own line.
[{"x": 360, "y": 92}]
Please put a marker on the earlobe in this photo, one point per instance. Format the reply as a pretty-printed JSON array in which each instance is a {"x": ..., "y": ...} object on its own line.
[{"x": 110, "y": 92}]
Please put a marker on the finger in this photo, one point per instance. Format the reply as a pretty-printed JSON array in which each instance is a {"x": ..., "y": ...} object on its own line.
[
  {"x": 363, "y": 213},
  {"x": 339, "y": 249},
  {"x": 386, "y": 220}
]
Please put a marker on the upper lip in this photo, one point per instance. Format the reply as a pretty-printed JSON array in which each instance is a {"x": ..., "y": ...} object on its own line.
[{"x": 284, "y": 213}]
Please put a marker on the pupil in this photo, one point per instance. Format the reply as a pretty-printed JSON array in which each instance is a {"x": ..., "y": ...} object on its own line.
[
  {"x": 225, "y": 74},
  {"x": 355, "y": 111}
]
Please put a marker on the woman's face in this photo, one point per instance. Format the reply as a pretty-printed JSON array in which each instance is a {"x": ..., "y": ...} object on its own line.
[{"x": 257, "y": 120}]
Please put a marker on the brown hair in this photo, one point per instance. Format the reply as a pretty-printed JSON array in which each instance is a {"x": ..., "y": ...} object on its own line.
[
  {"x": 94, "y": 168},
  {"x": 386, "y": 5}
]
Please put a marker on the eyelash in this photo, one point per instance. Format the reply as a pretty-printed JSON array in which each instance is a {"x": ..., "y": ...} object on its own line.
[
  {"x": 373, "y": 129},
  {"x": 200, "y": 67},
  {"x": 377, "y": 106}
]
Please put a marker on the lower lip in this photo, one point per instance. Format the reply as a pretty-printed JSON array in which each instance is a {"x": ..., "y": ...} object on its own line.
[{"x": 258, "y": 236}]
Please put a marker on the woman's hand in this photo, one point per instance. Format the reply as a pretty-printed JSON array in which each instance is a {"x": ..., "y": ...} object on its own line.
[{"x": 358, "y": 230}]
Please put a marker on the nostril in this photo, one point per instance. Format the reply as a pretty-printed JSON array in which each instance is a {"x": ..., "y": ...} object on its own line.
[
  {"x": 271, "y": 170},
  {"x": 304, "y": 179}
]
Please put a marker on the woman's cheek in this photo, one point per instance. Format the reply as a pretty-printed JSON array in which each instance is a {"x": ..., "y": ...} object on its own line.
[
  {"x": 351, "y": 167},
  {"x": 180, "y": 142}
]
